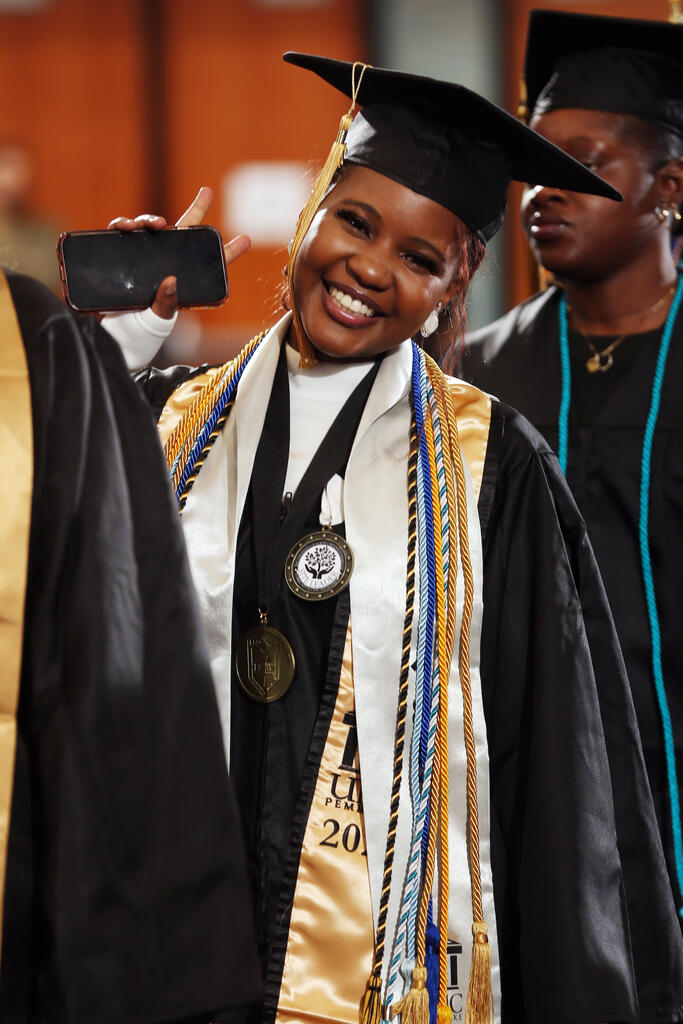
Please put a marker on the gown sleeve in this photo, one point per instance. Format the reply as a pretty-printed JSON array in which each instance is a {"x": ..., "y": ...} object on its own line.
[
  {"x": 586, "y": 921},
  {"x": 139, "y": 336},
  {"x": 127, "y": 897}
]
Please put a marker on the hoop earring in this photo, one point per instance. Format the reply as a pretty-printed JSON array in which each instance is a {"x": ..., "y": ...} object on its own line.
[{"x": 430, "y": 324}]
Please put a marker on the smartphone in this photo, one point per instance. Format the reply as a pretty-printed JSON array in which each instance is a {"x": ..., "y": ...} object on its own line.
[{"x": 103, "y": 271}]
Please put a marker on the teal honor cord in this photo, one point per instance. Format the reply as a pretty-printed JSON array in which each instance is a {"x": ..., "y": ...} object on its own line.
[{"x": 644, "y": 543}]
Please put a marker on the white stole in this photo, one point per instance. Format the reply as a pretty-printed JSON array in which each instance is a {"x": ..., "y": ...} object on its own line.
[{"x": 376, "y": 512}]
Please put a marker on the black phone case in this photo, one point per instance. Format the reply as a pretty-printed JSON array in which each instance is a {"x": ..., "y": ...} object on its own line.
[{"x": 105, "y": 271}]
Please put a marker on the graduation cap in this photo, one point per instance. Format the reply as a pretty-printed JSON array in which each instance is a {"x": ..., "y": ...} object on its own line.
[
  {"x": 620, "y": 65},
  {"x": 438, "y": 139},
  {"x": 447, "y": 142}
]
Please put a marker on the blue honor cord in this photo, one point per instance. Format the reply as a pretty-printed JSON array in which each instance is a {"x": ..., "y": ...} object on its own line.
[{"x": 644, "y": 544}]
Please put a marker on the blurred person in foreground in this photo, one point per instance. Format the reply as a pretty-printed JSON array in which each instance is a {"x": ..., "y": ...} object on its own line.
[
  {"x": 596, "y": 360},
  {"x": 122, "y": 881},
  {"x": 410, "y": 642}
]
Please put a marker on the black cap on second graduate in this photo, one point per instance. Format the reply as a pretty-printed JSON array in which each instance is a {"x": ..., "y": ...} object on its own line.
[
  {"x": 447, "y": 143},
  {"x": 619, "y": 65}
]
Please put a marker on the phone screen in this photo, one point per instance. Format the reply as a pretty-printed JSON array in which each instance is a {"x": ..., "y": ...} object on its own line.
[{"x": 110, "y": 270}]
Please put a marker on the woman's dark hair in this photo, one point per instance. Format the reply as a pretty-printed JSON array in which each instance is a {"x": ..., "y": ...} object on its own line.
[
  {"x": 660, "y": 145},
  {"x": 446, "y": 344}
]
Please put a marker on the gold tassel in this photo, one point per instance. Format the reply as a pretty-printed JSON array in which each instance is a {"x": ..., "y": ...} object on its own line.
[
  {"x": 371, "y": 1003},
  {"x": 414, "y": 1007},
  {"x": 444, "y": 1014},
  {"x": 479, "y": 1006},
  {"x": 333, "y": 162}
]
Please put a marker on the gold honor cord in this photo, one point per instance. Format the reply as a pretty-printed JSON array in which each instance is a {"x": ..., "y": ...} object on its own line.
[
  {"x": 334, "y": 161},
  {"x": 479, "y": 1005},
  {"x": 676, "y": 12},
  {"x": 414, "y": 1007},
  {"x": 202, "y": 400},
  {"x": 16, "y": 426},
  {"x": 443, "y": 1009}
]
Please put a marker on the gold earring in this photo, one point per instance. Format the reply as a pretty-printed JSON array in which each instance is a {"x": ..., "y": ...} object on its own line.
[{"x": 668, "y": 214}]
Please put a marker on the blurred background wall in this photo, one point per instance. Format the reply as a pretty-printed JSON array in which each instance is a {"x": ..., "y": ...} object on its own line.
[{"x": 128, "y": 107}]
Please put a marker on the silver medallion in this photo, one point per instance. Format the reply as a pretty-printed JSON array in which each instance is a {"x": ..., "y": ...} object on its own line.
[{"x": 319, "y": 565}]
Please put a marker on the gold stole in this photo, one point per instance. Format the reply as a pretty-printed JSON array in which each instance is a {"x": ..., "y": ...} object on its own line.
[
  {"x": 331, "y": 933},
  {"x": 329, "y": 948},
  {"x": 16, "y": 443}
]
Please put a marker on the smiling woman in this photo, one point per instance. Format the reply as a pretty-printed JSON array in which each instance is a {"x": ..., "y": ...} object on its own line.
[
  {"x": 354, "y": 520},
  {"x": 361, "y": 268}
]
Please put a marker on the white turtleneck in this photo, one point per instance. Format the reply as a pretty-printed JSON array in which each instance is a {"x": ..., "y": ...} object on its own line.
[{"x": 316, "y": 396}]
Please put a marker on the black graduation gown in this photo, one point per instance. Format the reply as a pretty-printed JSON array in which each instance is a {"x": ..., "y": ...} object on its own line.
[
  {"x": 517, "y": 359},
  {"x": 126, "y": 899},
  {"x": 548, "y": 649},
  {"x": 552, "y": 680}
]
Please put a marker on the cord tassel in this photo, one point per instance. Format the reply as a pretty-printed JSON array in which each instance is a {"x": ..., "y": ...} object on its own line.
[
  {"x": 334, "y": 160},
  {"x": 479, "y": 1006},
  {"x": 444, "y": 1014},
  {"x": 414, "y": 1007},
  {"x": 371, "y": 1003}
]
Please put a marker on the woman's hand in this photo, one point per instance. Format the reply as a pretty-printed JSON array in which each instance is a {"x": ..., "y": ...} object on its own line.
[{"x": 166, "y": 301}]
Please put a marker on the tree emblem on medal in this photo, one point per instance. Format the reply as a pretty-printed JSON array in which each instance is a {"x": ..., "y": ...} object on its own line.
[{"x": 320, "y": 564}]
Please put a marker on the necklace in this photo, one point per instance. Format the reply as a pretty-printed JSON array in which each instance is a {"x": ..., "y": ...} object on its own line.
[{"x": 602, "y": 360}]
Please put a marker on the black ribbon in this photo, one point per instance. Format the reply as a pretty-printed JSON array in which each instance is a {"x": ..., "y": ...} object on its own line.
[{"x": 276, "y": 526}]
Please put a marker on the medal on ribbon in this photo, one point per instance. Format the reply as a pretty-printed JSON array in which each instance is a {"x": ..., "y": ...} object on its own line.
[
  {"x": 319, "y": 565},
  {"x": 264, "y": 663}
]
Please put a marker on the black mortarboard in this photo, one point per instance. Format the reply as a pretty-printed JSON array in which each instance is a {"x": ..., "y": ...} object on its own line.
[
  {"x": 446, "y": 142},
  {"x": 620, "y": 65}
]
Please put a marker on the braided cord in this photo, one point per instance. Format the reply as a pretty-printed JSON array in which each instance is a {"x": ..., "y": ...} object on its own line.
[
  {"x": 187, "y": 429},
  {"x": 441, "y": 739},
  {"x": 650, "y": 596},
  {"x": 187, "y": 483},
  {"x": 201, "y": 418},
  {"x": 374, "y": 981},
  {"x": 421, "y": 753},
  {"x": 420, "y": 402},
  {"x": 566, "y": 393},
  {"x": 644, "y": 545},
  {"x": 464, "y": 661},
  {"x": 442, "y": 490},
  {"x": 404, "y": 937},
  {"x": 447, "y": 420}
]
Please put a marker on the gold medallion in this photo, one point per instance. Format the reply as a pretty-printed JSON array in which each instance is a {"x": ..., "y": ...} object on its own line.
[
  {"x": 319, "y": 565},
  {"x": 264, "y": 664}
]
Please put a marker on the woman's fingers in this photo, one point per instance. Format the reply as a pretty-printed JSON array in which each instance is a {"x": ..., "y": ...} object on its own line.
[
  {"x": 236, "y": 247},
  {"x": 166, "y": 301},
  {"x": 145, "y": 220},
  {"x": 152, "y": 221},
  {"x": 121, "y": 224},
  {"x": 197, "y": 210}
]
